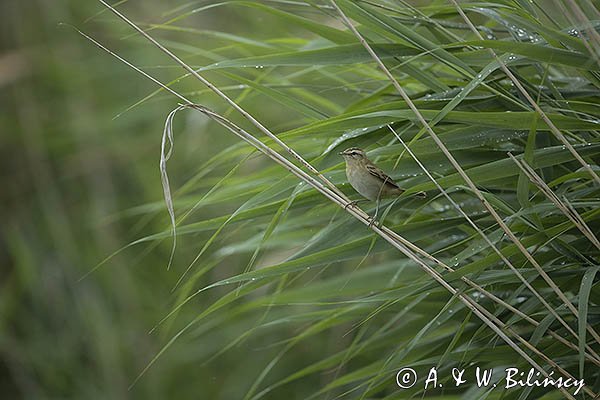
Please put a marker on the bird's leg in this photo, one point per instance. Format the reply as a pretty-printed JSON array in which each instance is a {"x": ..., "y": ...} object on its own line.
[{"x": 374, "y": 218}]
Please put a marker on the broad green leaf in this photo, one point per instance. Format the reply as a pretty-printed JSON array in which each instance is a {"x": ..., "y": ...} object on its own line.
[{"x": 337, "y": 55}]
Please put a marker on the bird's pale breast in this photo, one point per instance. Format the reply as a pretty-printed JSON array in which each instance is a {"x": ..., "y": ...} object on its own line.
[{"x": 364, "y": 183}]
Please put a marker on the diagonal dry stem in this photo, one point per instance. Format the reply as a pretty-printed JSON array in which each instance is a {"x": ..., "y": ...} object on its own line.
[
  {"x": 585, "y": 21},
  {"x": 223, "y": 96},
  {"x": 547, "y": 359},
  {"x": 557, "y": 133},
  {"x": 463, "y": 174},
  {"x": 491, "y": 244},
  {"x": 403, "y": 245},
  {"x": 591, "y": 356},
  {"x": 568, "y": 210},
  {"x": 391, "y": 237}
]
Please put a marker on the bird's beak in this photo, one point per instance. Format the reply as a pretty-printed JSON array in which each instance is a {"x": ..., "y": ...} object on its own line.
[{"x": 341, "y": 153}]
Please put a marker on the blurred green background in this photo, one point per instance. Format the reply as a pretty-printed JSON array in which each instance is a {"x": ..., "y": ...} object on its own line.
[
  {"x": 80, "y": 180},
  {"x": 79, "y": 156},
  {"x": 71, "y": 174}
]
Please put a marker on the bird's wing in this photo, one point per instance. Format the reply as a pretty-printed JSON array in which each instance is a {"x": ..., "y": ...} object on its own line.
[{"x": 375, "y": 171}]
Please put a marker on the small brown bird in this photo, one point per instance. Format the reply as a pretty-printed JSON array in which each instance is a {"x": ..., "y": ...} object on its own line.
[{"x": 368, "y": 179}]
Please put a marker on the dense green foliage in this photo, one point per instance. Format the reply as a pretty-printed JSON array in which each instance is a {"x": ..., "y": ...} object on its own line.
[{"x": 274, "y": 290}]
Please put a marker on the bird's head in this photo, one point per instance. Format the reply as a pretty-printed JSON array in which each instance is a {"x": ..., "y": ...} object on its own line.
[{"x": 353, "y": 153}]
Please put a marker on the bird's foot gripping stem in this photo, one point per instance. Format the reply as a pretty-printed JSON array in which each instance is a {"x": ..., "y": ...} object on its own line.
[
  {"x": 373, "y": 221},
  {"x": 352, "y": 204}
]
